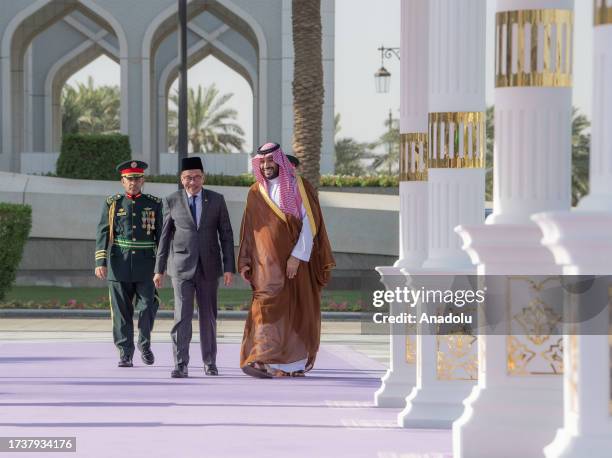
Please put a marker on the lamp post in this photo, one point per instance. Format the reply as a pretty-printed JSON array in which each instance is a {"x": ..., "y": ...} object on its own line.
[
  {"x": 382, "y": 77},
  {"x": 182, "y": 106}
]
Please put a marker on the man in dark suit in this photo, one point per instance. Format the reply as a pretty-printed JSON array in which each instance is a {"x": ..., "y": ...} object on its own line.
[{"x": 195, "y": 222}]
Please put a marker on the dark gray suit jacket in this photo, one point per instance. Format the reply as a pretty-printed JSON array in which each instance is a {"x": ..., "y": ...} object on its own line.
[{"x": 181, "y": 245}]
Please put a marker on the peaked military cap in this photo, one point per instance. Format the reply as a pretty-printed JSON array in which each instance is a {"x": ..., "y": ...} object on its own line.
[{"x": 132, "y": 168}]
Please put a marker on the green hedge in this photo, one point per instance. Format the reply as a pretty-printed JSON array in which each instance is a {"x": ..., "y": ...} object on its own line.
[
  {"x": 92, "y": 157},
  {"x": 350, "y": 181},
  {"x": 340, "y": 181},
  {"x": 15, "y": 225}
]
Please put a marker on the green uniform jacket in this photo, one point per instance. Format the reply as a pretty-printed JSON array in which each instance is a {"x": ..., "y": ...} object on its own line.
[{"x": 128, "y": 251}]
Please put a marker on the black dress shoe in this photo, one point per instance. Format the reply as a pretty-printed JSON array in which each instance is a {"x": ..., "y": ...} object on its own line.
[
  {"x": 211, "y": 369},
  {"x": 179, "y": 372},
  {"x": 125, "y": 361},
  {"x": 147, "y": 356}
]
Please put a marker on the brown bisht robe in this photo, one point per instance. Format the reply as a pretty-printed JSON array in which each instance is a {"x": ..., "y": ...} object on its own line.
[{"x": 284, "y": 321}]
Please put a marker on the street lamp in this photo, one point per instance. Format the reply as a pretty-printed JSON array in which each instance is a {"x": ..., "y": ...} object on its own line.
[{"x": 383, "y": 77}]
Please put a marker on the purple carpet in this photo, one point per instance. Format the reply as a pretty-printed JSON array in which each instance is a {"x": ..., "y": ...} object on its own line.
[{"x": 75, "y": 389}]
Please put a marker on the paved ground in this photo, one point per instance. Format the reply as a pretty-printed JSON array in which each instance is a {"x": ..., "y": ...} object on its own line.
[{"x": 58, "y": 378}]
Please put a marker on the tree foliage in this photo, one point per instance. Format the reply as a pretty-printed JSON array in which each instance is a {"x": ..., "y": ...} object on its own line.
[
  {"x": 87, "y": 109},
  {"x": 211, "y": 124},
  {"x": 15, "y": 225},
  {"x": 350, "y": 154}
]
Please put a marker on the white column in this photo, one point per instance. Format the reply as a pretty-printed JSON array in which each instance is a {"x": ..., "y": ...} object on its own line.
[
  {"x": 600, "y": 173},
  {"x": 516, "y": 407},
  {"x": 413, "y": 133},
  {"x": 400, "y": 378},
  {"x": 28, "y": 102},
  {"x": 582, "y": 242},
  {"x": 455, "y": 168}
]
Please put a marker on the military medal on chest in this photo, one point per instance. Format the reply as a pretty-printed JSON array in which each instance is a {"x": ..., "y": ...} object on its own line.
[{"x": 148, "y": 220}]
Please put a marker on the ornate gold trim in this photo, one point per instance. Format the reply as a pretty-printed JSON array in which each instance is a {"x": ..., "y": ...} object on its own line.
[
  {"x": 271, "y": 204},
  {"x": 306, "y": 202},
  {"x": 413, "y": 157},
  {"x": 467, "y": 147},
  {"x": 456, "y": 357},
  {"x": 534, "y": 348},
  {"x": 410, "y": 351},
  {"x": 602, "y": 13},
  {"x": 551, "y": 29}
]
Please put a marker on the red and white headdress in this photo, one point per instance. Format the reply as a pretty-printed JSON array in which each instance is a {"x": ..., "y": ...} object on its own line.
[{"x": 290, "y": 200}]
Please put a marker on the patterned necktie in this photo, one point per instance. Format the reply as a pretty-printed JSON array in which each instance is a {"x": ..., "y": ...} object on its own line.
[{"x": 192, "y": 207}]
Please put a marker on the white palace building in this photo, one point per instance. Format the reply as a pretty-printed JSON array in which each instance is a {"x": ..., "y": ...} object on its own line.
[{"x": 45, "y": 42}]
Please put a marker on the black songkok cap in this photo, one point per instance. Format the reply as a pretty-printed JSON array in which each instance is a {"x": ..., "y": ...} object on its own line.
[{"x": 192, "y": 163}]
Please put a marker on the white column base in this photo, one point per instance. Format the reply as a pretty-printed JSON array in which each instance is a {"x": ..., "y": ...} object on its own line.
[
  {"x": 507, "y": 415},
  {"x": 583, "y": 445},
  {"x": 582, "y": 242},
  {"x": 433, "y": 403},
  {"x": 507, "y": 422},
  {"x": 436, "y": 405},
  {"x": 401, "y": 375},
  {"x": 395, "y": 384}
]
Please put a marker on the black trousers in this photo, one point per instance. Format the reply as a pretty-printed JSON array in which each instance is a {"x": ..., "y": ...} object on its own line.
[
  {"x": 124, "y": 297},
  {"x": 205, "y": 293}
]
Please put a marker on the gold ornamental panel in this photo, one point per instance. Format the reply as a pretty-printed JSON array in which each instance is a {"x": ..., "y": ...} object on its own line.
[
  {"x": 410, "y": 349},
  {"x": 457, "y": 357},
  {"x": 413, "y": 156},
  {"x": 533, "y": 48},
  {"x": 574, "y": 360},
  {"x": 602, "y": 12},
  {"x": 456, "y": 140},
  {"x": 534, "y": 345}
]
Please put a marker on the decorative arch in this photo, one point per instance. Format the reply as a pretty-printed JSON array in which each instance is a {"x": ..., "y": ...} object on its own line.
[
  {"x": 58, "y": 74},
  {"x": 27, "y": 24},
  {"x": 195, "y": 54},
  {"x": 164, "y": 23}
]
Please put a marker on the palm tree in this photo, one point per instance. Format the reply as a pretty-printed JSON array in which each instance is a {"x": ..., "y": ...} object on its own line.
[
  {"x": 210, "y": 125},
  {"x": 349, "y": 153},
  {"x": 349, "y": 156},
  {"x": 391, "y": 141},
  {"x": 71, "y": 111},
  {"x": 581, "y": 147},
  {"x": 307, "y": 86},
  {"x": 90, "y": 110}
]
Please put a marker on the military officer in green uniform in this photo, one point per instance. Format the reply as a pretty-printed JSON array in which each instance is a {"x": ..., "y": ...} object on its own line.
[{"x": 126, "y": 245}]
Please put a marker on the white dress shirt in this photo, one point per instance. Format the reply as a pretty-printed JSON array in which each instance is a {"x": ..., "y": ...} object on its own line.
[{"x": 303, "y": 247}]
